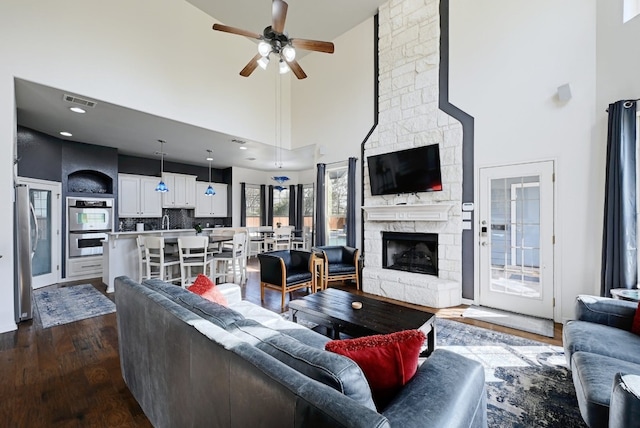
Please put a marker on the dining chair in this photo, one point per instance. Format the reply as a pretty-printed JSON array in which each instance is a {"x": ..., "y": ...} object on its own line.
[
  {"x": 159, "y": 264},
  {"x": 302, "y": 242},
  {"x": 194, "y": 254},
  {"x": 256, "y": 241},
  {"x": 232, "y": 262},
  {"x": 281, "y": 239},
  {"x": 142, "y": 259}
]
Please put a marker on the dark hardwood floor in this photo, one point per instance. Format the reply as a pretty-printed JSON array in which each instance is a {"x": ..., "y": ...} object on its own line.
[{"x": 69, "y": 375}]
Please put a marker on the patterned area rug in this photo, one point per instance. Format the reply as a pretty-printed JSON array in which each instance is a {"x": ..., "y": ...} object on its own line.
[
  {"x": 63, "y": 305},
  {"x": 528, "y": 383}
]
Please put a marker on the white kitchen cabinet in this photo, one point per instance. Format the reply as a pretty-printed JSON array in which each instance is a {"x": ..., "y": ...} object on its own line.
[
  {"x": 211, "y": 206},
  {"x": 182, "y": 191},
  {"x": 137, "y": 196}
]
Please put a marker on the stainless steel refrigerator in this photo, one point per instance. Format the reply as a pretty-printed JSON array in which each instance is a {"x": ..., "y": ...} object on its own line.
[{"x": 26, "y": 234}]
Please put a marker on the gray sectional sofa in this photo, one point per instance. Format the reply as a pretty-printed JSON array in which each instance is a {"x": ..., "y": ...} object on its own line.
[
  {"x": 191, "y": 362},
  {"x": 604, "y": 357}
]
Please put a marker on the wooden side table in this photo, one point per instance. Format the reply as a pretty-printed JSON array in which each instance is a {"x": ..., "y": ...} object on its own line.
[
  {"x": 317, "y": 267},
  {"x": 630, "y": 294}
]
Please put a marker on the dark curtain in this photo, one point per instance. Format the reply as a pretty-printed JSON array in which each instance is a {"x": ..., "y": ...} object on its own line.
[
  {"x": 619, "y": 252},
  {"x": 321, "y": 216},
  {"x": 270, "y": 206},
  {"x": 292, "y": 206},
  {"x": 243, "y": 204},
  {"x": 351, "y": 202},
  {"x": 299, "y": 221},
  {"x": 263, "y": 210}
]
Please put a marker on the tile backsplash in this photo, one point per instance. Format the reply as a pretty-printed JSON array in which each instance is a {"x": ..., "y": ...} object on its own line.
[{"x": 178, "y": 219}]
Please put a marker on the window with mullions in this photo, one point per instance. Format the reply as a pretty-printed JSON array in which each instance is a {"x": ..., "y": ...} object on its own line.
[
  {"x": 281, "y": 207},
  {"x": 337, "y": 206},
  {"x": 254, "y": 205},
  {"x": 308, "y": 205}
]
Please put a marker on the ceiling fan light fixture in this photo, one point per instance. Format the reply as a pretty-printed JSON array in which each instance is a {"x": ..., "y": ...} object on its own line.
[
  {"x": 264, "y": 48},
  {"x": 263, "y": 62},
  {"x": 289, "y": 53},
  {"x": 283, "y": 68}
]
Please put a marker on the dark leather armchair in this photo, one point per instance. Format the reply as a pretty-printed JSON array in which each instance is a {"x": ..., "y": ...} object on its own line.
[
  {"x": 286, "y": 271},
  {"x": 340, "y": 263}
]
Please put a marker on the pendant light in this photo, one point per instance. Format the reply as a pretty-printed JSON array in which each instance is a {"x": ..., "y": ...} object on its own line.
[
  {"x": 161, "y": 187},
  {"x": 209, "y": 191}
]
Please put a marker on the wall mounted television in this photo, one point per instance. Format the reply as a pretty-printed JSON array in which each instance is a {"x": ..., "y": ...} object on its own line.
[{"x": 406, "y": 171}]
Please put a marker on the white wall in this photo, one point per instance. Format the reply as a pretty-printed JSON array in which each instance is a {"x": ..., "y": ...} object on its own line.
[
  {"x": 507, "y": 58},
  {"x": 156, "y": 56},
  {"x": 341, "y": 115}
]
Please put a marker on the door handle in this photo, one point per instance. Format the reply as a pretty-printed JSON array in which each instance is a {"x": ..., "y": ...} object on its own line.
[{"x": 485, "y": 244}]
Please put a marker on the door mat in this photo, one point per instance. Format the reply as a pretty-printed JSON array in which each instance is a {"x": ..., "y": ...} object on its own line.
[
  {"x": 541, "y": 326},
  {"x": 64, "y": 305}
]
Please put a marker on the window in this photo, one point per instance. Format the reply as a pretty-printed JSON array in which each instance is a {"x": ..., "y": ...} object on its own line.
[
  {"x": 308, "y": 204},
  {"x": 337, "y": 206},
  {"x": 254, "y": 205},
  {"x": 631, "y": 9},
  {"x": 281, "y": 207}
]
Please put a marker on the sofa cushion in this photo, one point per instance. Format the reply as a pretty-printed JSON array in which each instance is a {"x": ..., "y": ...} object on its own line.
[
  {"x": 600, "y": 339},
  {"x": 593, "y": 377},
  {"x": 388, "y": 361},
  {"x": 217, "y": 314},
  {"x": 336, "y": 371},
  {"x": 203, "y": 286},
  {"x": 295, "y": 276}
]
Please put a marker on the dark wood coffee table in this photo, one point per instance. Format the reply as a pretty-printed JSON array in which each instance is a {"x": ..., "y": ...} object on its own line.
[{"x": 332, "y": 308}]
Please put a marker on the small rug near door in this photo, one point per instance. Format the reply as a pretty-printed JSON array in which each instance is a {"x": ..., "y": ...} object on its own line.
[
  {"x": 527, "y": 323},
  {"x": 63, "y": 305}
]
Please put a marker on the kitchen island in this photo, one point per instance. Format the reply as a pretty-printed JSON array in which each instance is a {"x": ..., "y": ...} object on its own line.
[{"x": 120, "y": 251}]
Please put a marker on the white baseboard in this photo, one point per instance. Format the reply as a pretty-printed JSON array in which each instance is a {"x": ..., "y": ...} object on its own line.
[{"x": 468, "y": 302}]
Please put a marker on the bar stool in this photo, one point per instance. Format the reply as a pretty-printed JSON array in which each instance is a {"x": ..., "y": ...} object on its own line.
[
  {"x": 142, "y": 259},
  {"x": 233, "y": 261},
  {"x": 193, "y": 253},
  {"x": 160, "y": 265}
]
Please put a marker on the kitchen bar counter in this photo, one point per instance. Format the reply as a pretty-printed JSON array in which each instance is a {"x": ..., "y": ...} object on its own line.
[{"x": 120, "y": 251}]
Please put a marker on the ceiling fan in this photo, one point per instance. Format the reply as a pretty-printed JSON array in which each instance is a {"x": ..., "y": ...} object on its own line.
[{"x": 275, "y": 40}]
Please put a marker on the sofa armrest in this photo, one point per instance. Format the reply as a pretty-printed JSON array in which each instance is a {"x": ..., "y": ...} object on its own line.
[
  {"x": 350, "y": 255},
  {"x": 447, "y": 390},
  {"x": 231, "y": 292},
  {"x": 624, "y": 410},
  {"x": 605, "y": 310}
]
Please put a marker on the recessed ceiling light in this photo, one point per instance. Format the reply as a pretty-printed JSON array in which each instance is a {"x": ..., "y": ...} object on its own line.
[
  {"x": 77, "y": 110},
  {"x": 66, "y": 134},
  {"x": 242, "y": 148},
  {"x": 251, "y": 159}
]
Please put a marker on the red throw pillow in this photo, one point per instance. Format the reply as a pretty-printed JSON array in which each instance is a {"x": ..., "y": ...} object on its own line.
[
  {"x": 635, "y": 327},
  {"x": 388, "y": 361},
  {"x": 207, "y": 289}
]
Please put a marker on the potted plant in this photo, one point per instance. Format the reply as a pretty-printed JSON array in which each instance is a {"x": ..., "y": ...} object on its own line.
[{"x": 198, "y": 228}]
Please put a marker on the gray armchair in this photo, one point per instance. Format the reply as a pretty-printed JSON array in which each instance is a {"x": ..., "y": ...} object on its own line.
[{"x": 604, "y": 357}]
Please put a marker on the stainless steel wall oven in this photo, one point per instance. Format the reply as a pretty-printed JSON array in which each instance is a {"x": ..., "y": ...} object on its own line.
[{"x": 89, "y": 220}]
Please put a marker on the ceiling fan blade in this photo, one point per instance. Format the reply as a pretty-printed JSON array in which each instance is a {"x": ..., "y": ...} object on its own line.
[
  {"x": 251, "y": 65},
  {"x": 233, "y": 30},
  {"x": 312, "y": 45},
  {"x": 279, "y": 15},
  {"x": 297, "y": 70}
]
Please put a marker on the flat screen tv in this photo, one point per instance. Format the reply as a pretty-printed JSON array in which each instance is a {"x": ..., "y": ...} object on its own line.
[{"x": 406, "y": 171}]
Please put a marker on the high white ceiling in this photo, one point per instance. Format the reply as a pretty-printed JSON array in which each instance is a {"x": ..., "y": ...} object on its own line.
[{"x": 135, "y": 133}]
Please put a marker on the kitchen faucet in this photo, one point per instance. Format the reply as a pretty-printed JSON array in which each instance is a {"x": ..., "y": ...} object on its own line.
[{"x": 165, "y": 217}]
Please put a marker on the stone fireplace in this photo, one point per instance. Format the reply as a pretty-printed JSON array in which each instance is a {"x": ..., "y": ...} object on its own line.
[
  {"x": 410, "y": 252},
  {"x": 409, "y": 117}
]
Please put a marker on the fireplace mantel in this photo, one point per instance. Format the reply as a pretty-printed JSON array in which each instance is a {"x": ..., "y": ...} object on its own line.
[{"x": 412, "y": 212}]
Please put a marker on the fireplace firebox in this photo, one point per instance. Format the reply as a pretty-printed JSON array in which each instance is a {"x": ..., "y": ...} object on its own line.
[{"x": 410, "y": 252}]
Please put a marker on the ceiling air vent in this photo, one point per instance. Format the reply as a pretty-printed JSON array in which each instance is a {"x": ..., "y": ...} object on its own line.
[{"x": 79, "y": 101}]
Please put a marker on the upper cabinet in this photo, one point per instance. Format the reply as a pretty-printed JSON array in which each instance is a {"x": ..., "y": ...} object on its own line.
[
  {"x": 137, "y": 196},
  {"x": 211, "y": 206},
  {"x": 182, "y": 191}
]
